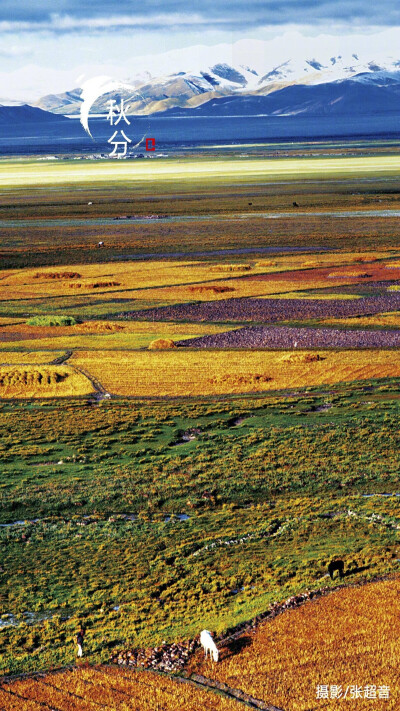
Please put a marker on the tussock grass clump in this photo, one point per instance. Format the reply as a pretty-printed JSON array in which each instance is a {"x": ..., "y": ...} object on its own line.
[
  {"x": 302, "y": 358},
  {"x": 52, "y": 321},
  {"x": 214, "y": 288},
  {"x": 231, "y": 268},
  {"x": 99, "y": 327},
  {"x": 161, "y": 344},
  {"x": 238, "y": 380},
  {"x": 57, "y": 275},
  {"x": 94, "y": 285},
  {"x": 29, "y": 378},
  {"x": 311, "y": 263},
  {"x": 354, "y": 275},
  {"x": 267, "y": 263},
  {"x": 364, "y": 259}
]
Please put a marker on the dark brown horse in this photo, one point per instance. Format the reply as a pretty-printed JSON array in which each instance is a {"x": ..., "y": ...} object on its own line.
[{"x": 336, "y": 565}]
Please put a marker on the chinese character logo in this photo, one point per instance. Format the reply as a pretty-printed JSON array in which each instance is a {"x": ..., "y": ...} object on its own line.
[
  {"x": 114, "y": 116},
  {"x": 117, "y": 115}
]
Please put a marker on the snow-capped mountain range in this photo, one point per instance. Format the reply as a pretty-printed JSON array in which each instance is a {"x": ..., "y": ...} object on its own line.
[{"x": 193, "y": 77}]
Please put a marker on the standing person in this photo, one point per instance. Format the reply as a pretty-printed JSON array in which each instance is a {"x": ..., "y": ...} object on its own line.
[{"x": 79, "y": 641}]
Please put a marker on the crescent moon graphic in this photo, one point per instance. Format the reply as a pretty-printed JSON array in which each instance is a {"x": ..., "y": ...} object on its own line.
[{"x": 92, "y": 89}]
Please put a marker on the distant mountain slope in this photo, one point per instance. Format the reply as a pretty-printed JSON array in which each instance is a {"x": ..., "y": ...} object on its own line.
[
  {"x": 364, "y": 94},
  {"x": 356, "y": 96},
  {"x": 193, "y": 76},
  {"x": 56, "y": 102},
  {"x": 25, "y": 114}
]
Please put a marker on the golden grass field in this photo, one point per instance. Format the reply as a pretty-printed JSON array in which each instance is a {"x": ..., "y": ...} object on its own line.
[
  {"x": 103, "y": 335},
  {"x": 110, "y": 689},
  {"x": 350, "y": 637},
  {"x": 391, "y": 319},
  {"x": 192, "y": 373},
  {"x": 172, "y": 280},
  {"x": 30, "y": 357},
  {"x": 25, "y": 381}
]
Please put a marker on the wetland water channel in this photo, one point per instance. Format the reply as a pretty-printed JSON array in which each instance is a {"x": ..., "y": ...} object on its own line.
[
  {"x": 31, "y": 618},
  {"x": 37, "y": 617},
  {"x": 133, "y": 219}
]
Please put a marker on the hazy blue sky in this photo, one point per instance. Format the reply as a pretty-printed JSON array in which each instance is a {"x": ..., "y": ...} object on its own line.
[
  {"x": 46, "y": 43},
  {"x": 222, "y": 14}
]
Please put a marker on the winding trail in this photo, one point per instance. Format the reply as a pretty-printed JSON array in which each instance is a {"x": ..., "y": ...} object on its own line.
[
  {"x": 231, "y": 693},
  {"x": 61, "y": 359},
  {"x": 100, "y": 392}
]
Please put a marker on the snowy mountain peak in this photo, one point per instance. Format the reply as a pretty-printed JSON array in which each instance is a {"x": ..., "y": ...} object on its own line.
[{"x": 194, "y": 75}]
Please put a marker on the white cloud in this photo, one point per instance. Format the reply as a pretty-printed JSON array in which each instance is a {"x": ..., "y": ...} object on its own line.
[
  {"x": 15, "y": 50},
  {"x": 59, "y": 60},
  {"x": 68, "y": 23}
]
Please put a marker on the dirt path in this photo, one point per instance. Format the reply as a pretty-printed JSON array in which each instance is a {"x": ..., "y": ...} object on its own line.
[
  {"x": 100, "y": 392},
  {"x": 61, "y": 359},
  {"x": 231, "y": 693}
]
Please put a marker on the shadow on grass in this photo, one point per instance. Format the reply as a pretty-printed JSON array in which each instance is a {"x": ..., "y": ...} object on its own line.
[
  {"x": 356, "y": 569},
  {"x": 235, "y": 647}
]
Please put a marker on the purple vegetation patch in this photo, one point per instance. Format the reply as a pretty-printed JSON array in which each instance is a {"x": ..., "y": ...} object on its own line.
[
  {"x": 267, "y": 310},
  {"x": 287, "y": 337}
]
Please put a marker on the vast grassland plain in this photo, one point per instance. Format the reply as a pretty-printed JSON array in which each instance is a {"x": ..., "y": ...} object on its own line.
[{"x": 151, "y": 489}]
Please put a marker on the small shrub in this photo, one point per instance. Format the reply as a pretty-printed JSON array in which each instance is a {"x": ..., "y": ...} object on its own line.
[
  {"x": 161, "y": 344},
  {"x": 231, "y": 268},
  {"x": 57, "y": 275},
  {"x": 51, "y": 321}
]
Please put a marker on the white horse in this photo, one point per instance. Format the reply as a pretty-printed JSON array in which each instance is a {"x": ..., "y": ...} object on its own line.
[{"x": 209, "y": 645}]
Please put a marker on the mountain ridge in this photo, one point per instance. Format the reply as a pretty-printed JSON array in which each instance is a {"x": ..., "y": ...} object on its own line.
[
  {"x": 363, "y": 94},
  {"x": 192, "y": 76}
]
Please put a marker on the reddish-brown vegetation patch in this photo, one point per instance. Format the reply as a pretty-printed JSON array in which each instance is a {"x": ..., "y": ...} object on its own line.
[
  {"x": 94, "y": 285},
  {"x": 56, "y": 275},
  {"x": 214, "y": 289},
  {"x": 378, "y": 271}
]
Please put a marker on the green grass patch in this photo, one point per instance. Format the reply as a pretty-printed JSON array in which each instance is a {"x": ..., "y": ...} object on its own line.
[
  {"x": 52, "y": 321},
  {"x": 266, "y": 484}
]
